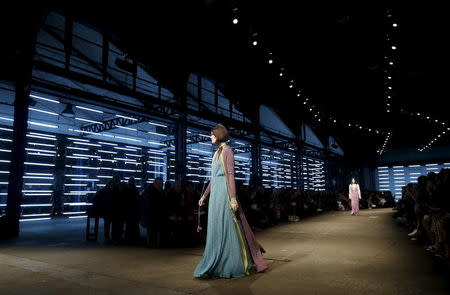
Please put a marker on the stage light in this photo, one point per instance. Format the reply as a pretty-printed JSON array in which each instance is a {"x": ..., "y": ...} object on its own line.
[
  {"x": 255, "y": 43},
  {"x": 389, "y": 77},
  {"x": 391, "y": 63},
  {"x": 68, "y": 111},
  {"x": 235, "y": 21},
  {"x": 394, "y": 25},
  {"x": 281, "y": 74},
  {"x": 393, "y": 47}
]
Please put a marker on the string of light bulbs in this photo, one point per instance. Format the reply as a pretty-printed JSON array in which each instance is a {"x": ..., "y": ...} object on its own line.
[{"x": 281, "y": 71}]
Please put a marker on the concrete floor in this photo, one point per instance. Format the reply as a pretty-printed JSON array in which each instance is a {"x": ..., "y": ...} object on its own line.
[{"x": 329, "y": 254}]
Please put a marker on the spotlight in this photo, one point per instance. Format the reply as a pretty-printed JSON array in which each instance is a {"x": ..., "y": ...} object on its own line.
[
  {"x": 281, "y": 74},
  {"x": 391, "y": 63},
  {"x": 270, "y": 61},
  {"x": 394, "y": 25},
  {"x": 290, "y": 86},
  {"x": 255, "y": 43},
  {"x": 68, "y": 111},
  {"x": 334, "y": 121},
  {"x": 235, "y": 21},
  {"x": 390, "y": 88},
  {"x": 389, "y": 77},
  {"x": 393, "y": 47},
  {"x": 298, "y": 94},
  {"x": 349, "y": 125}
]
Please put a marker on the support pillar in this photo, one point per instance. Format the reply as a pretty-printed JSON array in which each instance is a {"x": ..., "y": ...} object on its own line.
[{"x": 59, "y": 174}]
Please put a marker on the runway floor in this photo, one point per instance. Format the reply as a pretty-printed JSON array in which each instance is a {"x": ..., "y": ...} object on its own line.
[{"x": 333, "y": 253}]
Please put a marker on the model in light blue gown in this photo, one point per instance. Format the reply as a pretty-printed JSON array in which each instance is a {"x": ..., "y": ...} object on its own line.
[{"x": 226, "y": 252}]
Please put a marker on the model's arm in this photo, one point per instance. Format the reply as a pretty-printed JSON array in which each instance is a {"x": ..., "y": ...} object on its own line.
[
  {"x": 359, "y": 191},
  {"x": 207, "y": 191},
  {"x": 228, "y": 159},
  {"x": 349, "y": 190}
]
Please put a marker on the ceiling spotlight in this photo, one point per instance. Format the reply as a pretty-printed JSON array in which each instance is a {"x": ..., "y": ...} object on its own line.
[
  {"x": 235, "y": 21},
  {"x": 290, "y": 86},
  {"x": 370, "y": 129},
  {"x": 391, "y": 63},
  {"x": 360, "y": 127},
  {"x": 304, "y": 102},
  {"x": 418, "y": 114},
  {"x": 255, "y": 43},
  {"x": 393, "y": 47},
  {"x": 394, "y": 25},
  {"x": 310, "y": 109},
  {"x": 389, "y": 77},
  {"x": 390, "y": 87},
  {"x": 298, "y": 94},
  {"x": 349, "y": 125},
  {"x": 389, "y": 96},
  {"x": 428, "y": 118},
  {"x": 270, "y": 61},
  {"x": 68, "y": 111},
  {"x": 436, "y": 121},
  {"x": 281, "y": 74},
  {"x": 318, "y": 119}
]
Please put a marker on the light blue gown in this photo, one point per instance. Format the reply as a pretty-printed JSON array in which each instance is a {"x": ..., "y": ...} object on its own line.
[{"x": 226, "y": 252}]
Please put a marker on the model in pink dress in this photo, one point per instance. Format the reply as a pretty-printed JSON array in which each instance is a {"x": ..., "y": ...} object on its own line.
[{"x": 354, "y": 194}]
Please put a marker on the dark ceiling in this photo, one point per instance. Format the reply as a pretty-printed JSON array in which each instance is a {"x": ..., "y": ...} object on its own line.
[{"x": 333, "y": 50}]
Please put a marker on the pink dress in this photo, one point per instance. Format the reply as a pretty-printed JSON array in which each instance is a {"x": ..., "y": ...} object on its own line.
[{"x": 354, "y": 196}]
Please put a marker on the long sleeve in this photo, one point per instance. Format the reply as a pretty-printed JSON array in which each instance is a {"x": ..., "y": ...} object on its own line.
[
  {"x": 349, "y": 190},
  {"x": 359, "y": 191},
  {"x": 228, "y": 159},
  {"x": 207, "y": 191}
]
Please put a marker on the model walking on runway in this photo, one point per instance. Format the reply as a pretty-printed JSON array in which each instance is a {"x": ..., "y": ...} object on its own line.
[
  {"x": 231, "y": 249},
  {"x": 354, "y": 194}
]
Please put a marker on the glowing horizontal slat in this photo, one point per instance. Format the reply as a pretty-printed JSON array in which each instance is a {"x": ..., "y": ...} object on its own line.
[
  {"x": 45, "y": 112},
  {"x": 41, "y": 144},
  {"x": 157, "y": 124},
  {"x": 86, "y": 143},
  {"x": 34, "y": 219},
  {"x": 87, "y": 120},
  {"x": 39, "y": 164},
  {"x": 156, "y": 133},
  {"x": 84, "y": 167},
  {"x": 125, "y": 149},
  {"x": 89, "y": 109},
  {"x": 85, "y": 179},
  {"x": 126, "y": 128},
  {"x": 41, "y": 137},
  {"x": 72, "y": 217},
  {"x": 42, "y": 124},
  {"x": 77, "y": 148},
  {"x": 155, "y": 143},
  {"x": 107, "y": 143},
  {"x": 126, "y": 117},
  {"x": 44, "y": 98}
]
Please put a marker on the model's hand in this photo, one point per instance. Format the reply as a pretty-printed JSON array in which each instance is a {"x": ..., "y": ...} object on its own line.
[
  {"x": 234, "y": 206},
  {"x": 201, "y": 202}
]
